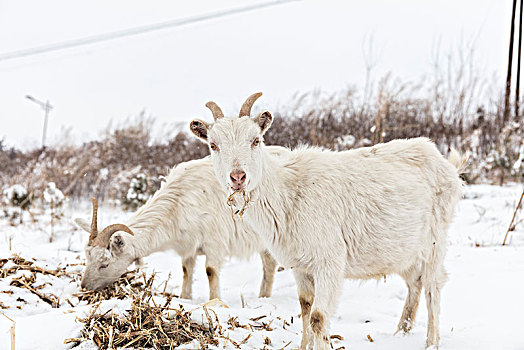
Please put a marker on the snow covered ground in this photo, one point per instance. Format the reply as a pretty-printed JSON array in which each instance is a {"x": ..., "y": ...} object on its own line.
[{"x": 482, "y": 302}]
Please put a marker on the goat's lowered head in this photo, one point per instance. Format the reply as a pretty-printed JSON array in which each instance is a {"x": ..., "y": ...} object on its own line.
[
  {"x": 108, "y": 253},
  {"x": 235, "y": 144}
]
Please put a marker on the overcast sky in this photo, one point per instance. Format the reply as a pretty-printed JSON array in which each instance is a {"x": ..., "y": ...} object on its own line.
[{"x": 293, "y": 47}]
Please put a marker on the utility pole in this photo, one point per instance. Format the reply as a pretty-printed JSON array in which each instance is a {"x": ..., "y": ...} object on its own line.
[
  {"x": 510, "y": 59},
  {"x": 519, "y": 51},
  {"x": 46, "y": 106}
]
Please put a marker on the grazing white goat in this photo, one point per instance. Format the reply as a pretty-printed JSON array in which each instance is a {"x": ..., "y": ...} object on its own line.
[
  {"x": 361, "y": 214},
  {"x": 187, "y": 214}
]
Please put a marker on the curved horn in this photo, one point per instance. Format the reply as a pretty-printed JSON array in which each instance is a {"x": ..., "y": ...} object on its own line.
[
  {"x": 246, "y": 107},
  {"x": 217, "y": 112},
  {"x": 102, "y": 240},
  {"x": 94, "y": 229}
]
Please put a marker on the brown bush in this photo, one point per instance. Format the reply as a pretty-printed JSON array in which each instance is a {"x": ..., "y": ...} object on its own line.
[{"x": 338, "y": 121}]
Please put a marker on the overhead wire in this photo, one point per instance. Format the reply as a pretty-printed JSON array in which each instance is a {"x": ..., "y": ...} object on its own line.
[{"x": 135, "y": 31}]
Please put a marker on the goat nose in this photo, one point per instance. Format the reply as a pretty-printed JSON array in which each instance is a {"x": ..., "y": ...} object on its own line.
[{"x": 238, "y": 177}]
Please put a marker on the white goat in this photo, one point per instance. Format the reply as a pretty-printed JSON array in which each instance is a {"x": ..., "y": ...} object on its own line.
[
  {"x": 187, "y": 214},
  {"x": 361, "y": 214}
]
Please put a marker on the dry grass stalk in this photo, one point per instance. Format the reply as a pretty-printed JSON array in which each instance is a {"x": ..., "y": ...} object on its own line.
[
  {"x": 511, "y": 227},
  {"x": 244, "y": 206},
  {"x": 12, "y": 330},
  {"x": 285, "y": 346},
  {"x": 243, "y": 301}
]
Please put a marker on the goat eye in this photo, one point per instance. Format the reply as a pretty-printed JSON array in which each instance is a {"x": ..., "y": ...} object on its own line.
[
  {"x": 213, "y": 146},
  {"x": 103, "y": 267},
  {"x": 255, "y": 142}
]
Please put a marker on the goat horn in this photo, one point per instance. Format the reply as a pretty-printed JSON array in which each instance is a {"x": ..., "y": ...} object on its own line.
[
  {"x": 217, "y": 112},
  {"x": 94, "y": 229},
  {"x": 102, "y": 240},
  {"x": 246, "y": 107}
]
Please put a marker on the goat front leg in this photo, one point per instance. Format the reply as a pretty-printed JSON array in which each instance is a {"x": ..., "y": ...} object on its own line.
[
  {"x": 328, "y": 283},
  {"x": 269, "y": 266},
  {"x": 212, "y": 272},
  {"x": 306, "y": 294},
  {"x": 188, "y": 266}
]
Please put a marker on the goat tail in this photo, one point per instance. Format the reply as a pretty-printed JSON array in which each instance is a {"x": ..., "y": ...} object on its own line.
[{"x": 459, "y": 161}]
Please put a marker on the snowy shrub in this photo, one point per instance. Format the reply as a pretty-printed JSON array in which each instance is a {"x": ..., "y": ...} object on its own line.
[
  {"x": 137, "y": 194},
  {"x": 53, "y": 196},
  {"x": 345, "y": 142},
  {"x": 53, "y": 200},
  {"x": 17, "y": 200},
  {"x": 517, "y": 170},
  {"x": 506, "y": 157},
  {"x": 17, "y": 196}
]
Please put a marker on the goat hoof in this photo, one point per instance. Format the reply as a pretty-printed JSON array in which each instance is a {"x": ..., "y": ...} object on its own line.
[{"x": 405, "y": 327}]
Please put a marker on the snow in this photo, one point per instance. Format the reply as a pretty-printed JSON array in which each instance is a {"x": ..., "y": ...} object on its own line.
[
  {"x": 519, "y": 162},
  {"x": 344, "y": 142},
  {"x": 481, "y": 306},
  {"x": 53, "y": 195}
]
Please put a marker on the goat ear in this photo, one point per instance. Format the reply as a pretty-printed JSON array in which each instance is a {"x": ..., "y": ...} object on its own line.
[
  {"x": 199, "y": 128},
  {"x": 117, "y": 244},
  {"x": 83, "y": 224},
  {"x": 264, "y": 121}
]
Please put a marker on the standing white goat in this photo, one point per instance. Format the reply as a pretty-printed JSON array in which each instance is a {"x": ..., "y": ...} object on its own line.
[
  {"x": 361, "y": 214},
  {"x": 187, "y": 214}
]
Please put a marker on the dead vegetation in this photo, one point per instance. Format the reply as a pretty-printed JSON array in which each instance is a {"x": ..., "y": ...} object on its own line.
[
  {"x": 29, "y": 281},
  {"x": 131, "y": 282},
  {"x": 152, "y": 321},
  {"x": 454, "y": 108},
  {"x": 336, "y": 121},
  {"x": 145, "y": 324}
]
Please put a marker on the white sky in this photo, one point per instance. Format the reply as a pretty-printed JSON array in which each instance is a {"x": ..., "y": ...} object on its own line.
[{"x": 294, "y": 47}]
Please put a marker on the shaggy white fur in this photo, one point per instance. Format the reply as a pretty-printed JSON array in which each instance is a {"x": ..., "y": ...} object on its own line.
[
  {"x": 189, "y": 215},
  {"x": 363, "y": 214}
]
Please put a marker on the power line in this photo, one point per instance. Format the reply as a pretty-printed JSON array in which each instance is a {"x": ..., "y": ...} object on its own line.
[{"x": 135, "y": 31}]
